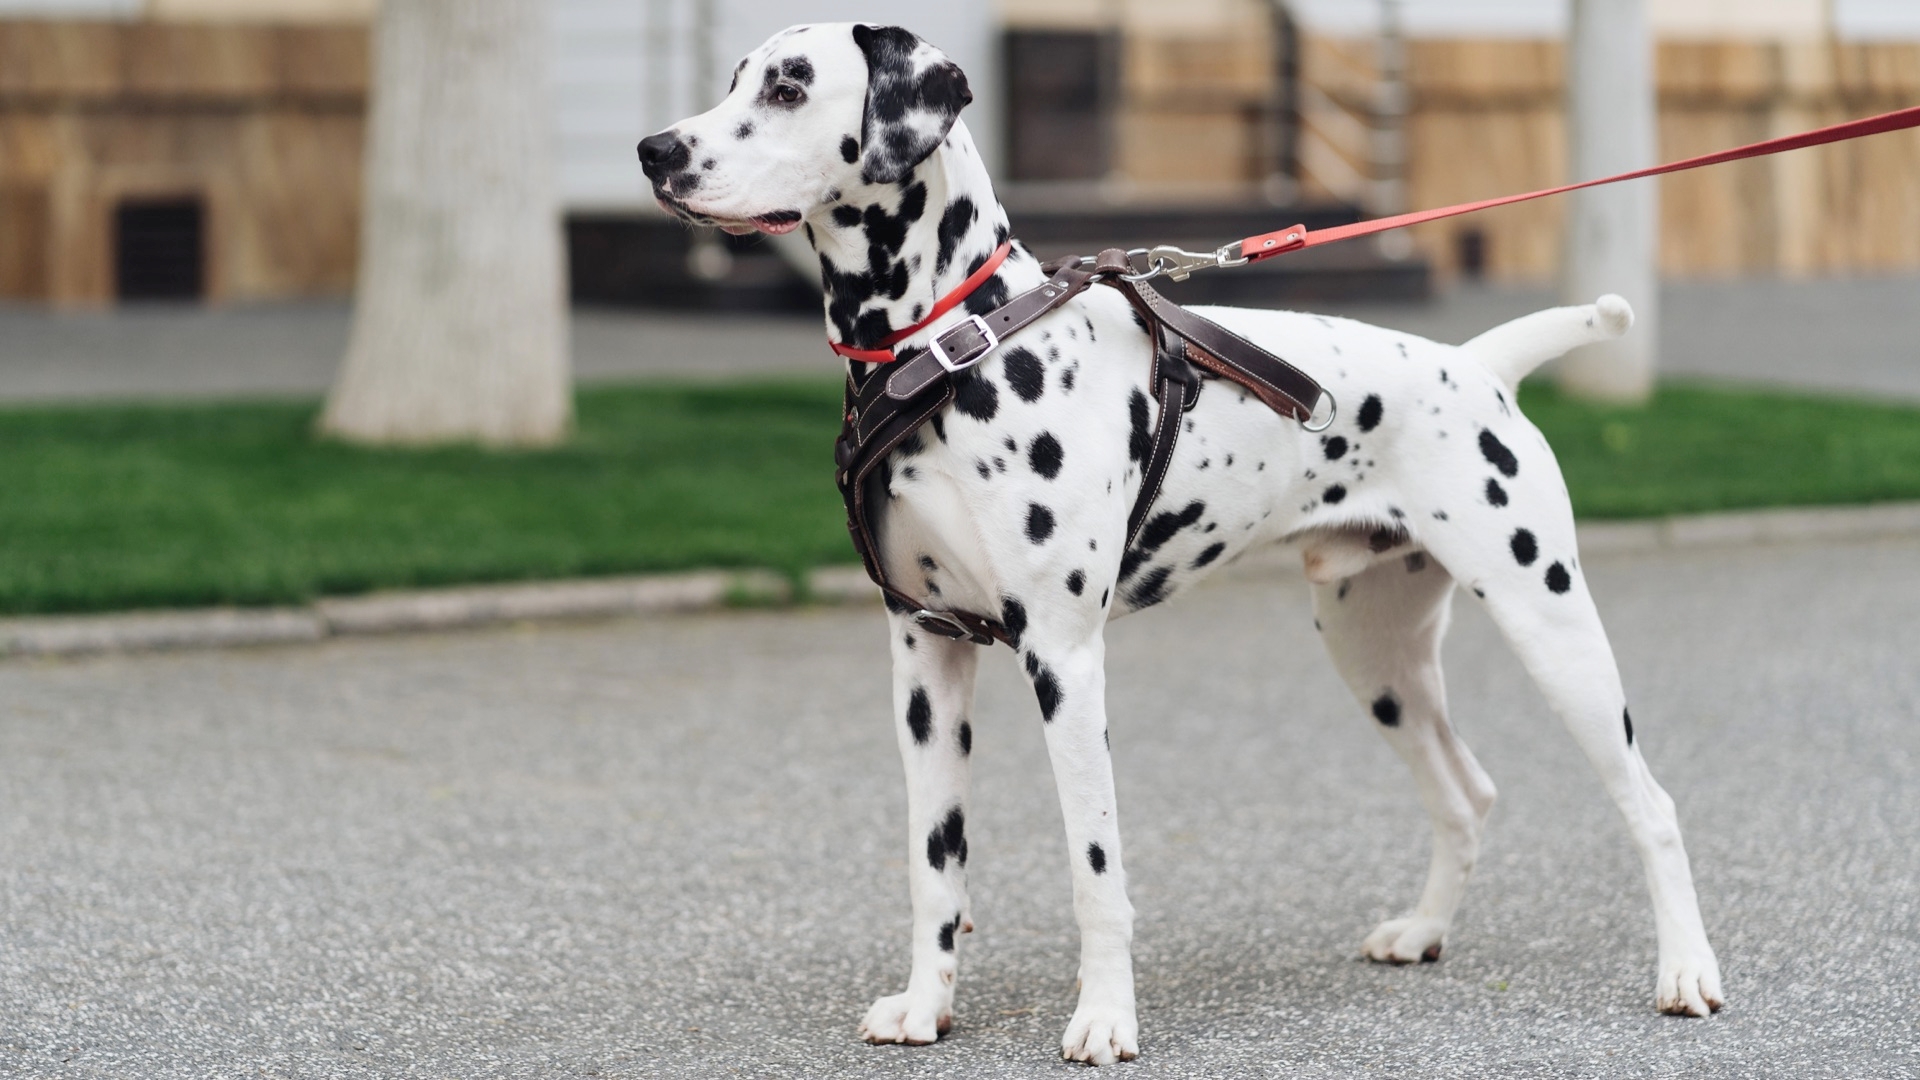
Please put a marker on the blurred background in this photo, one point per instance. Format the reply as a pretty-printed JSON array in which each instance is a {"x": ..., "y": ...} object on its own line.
[
  {"x": 211, "y": 149},
  {"x": 193, "y": 251}
]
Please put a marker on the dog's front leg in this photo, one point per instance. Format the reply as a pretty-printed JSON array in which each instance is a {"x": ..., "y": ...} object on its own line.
[
  {"x": 1069, "y": 679},
  {"x": 932, "y": 697}
]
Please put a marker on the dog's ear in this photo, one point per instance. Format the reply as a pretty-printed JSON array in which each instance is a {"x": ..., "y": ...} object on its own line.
[{"x": 914, "y": 93}]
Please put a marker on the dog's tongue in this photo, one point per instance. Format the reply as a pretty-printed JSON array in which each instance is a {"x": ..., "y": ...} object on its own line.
[{"x": 736, "y": 230}]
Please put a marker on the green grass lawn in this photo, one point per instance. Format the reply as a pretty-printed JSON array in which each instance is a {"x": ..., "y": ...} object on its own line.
[{"x": 167, "y": 505}]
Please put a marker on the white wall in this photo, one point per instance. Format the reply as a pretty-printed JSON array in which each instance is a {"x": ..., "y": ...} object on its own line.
[{"x": 609, "y": 96}]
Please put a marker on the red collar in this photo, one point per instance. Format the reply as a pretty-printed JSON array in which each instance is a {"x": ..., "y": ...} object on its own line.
[{"x": 883, "y": 352}]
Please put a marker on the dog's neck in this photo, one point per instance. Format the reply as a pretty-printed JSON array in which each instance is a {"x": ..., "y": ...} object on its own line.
[{"x": 888, "y": 252}]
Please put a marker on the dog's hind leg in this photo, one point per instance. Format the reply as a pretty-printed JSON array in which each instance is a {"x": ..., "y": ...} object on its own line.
[
  {"x": 1538, "y": 597},
  {"x": 933, "y": 681},
  {"x": 1383, "y": 628}
]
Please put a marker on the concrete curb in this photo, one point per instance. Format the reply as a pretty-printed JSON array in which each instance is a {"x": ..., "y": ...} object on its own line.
[{"x": 485, "y": 605}]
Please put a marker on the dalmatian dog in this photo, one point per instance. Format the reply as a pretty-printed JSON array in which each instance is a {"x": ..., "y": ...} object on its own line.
[{"x": 1013, "y": 502}]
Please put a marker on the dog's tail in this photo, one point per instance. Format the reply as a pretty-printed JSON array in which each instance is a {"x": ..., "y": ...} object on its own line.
[{"x": 1513, "y": 349}]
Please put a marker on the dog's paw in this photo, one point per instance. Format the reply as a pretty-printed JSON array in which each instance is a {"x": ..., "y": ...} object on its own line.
[
  {"x": 1690, "y": 987},
  {"x": 906, "y": 1018},
  {"x": 1101, "y": 1034},
  {"x": 1403, "y": 941}
]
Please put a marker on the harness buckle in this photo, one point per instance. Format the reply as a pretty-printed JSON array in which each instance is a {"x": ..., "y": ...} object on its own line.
[
  {"x": 971, "y": 357},
  {"x": 945, "y": 625}
]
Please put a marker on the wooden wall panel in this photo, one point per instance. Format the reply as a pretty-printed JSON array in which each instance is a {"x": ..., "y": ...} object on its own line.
[{"x": 264, "y": 124}]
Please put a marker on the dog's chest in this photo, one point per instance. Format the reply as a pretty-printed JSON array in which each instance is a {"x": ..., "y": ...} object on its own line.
[{"x": 1025, "y": 483}]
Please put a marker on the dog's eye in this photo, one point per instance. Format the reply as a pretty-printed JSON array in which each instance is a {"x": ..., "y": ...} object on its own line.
[{"x": 786, "y": 93}]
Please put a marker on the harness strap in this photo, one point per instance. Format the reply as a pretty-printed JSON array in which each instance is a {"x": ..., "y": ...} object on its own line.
[
  {"x": 1177, "y": 388},
  {"x": 885, "y": 406}
]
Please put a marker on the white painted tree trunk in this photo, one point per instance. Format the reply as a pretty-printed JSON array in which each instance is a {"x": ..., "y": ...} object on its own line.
[
  {"x": 1612, "y": 239},
  {"x": 460, "y": 318}
]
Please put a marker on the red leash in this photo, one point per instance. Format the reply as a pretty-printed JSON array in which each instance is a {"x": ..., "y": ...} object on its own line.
[
  {"x": 1178, "y": 264},
  {"x": 1267, "y": 245}
]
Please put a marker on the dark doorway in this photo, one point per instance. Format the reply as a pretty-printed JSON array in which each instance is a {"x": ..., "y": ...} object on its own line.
[
  {"x": 1061, "y": 91},
  {"x": 160, "y": 249}
]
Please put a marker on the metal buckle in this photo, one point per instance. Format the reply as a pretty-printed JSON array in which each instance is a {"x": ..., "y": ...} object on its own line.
[
  {"x": 957, "y": 366},
  {"x": 1333, "y": 409},
  {"x": 939, "y": 622}
]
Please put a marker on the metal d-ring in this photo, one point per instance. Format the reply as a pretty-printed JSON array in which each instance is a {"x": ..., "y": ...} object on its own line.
[{"x": 1333, "y": 409}]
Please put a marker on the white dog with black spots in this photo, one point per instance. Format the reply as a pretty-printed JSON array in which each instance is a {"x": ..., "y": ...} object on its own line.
[{"x": 1013, "y": 502}]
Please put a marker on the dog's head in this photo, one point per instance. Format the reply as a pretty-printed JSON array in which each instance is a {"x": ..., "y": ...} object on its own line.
[{"x": 815, "y": 112}]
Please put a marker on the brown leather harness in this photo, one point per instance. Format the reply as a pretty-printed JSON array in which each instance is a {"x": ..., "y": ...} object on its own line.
[{"x": 884, "y": 405}]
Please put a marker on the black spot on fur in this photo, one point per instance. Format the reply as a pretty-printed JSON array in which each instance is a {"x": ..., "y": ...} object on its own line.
[
  {"x": 1152, "y": 588},
  {"x": 1211, "y": 553},
  {"x": 1140, "y": 440},
  {"x": 1558, "y": 580},
  {"x": 981, "y": 468},
  {"x": 1369, "y": 415},
  {"x": 947, "y": 930},
  {"x": 1626, "y": 717},
  {"x": 799, "y": 69},
  {"x": 966, "y": 739},
  {"x": 948, "y": 839},
  {"x": 1024, "y": 373},
  {"x": 1096, "y": 858},
  {"x": 1416, "y": 562},
  {"x": 1044, "y": 455},
  {"x": 1335, "y": 447},
  {"x": 1039, "y": 523},
  {"x": 1046, "y": 688},
  {"x": 1066, "y": 377},
  {"x": 1498, "y": 455},
  {"x": 1013, "y": 616},
  {"x": 1076, "y": 582},
  {"x": 1496, "y": 495},
  {"x": 975, "y": 395},
  {"x": 1103, "y": 597},
  {"x": 847, "y": 217},
  {"x": 849, "y": 149},
  {"x": 920, "y": 716},
  {"x": 1333, "y": 495},
  {"x": 1386, "y": 709},
  {"x": 1162, "y": 526},
  {"x": 1525, "y": 550},
  {"x": 1129, "y": 563},
  {"x": 939, "y": 428},
  {"x": 910, "y": 445},
  {"x": 954, "y": 223},
  {"x": 745, "y": 130},
  {"x": 893, "y": 605}
]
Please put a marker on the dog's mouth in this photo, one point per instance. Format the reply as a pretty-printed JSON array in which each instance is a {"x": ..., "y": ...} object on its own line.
[{"x": 774, "y": 223}]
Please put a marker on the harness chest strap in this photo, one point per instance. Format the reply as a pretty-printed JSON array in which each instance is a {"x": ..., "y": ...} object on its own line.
[{"x": 882, "y": 410}]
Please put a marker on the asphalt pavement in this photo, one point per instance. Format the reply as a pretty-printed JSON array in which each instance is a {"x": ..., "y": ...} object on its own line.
[
  {"x": 1851, "y": 335},
  {"x": 671, "y": 847}
]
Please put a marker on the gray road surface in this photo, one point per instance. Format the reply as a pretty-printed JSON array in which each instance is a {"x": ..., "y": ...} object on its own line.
[
  {"x": 1855, "y": 335},
  {"x": 671, "y": 848}
]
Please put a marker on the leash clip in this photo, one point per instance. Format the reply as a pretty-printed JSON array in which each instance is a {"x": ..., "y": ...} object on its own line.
[{"x": 1179, "y": 263}]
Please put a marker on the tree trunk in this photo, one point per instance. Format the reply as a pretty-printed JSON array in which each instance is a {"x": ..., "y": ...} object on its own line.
[
  {"x": 460, "y": 320},
  {"x": 1612, "y": 238}
]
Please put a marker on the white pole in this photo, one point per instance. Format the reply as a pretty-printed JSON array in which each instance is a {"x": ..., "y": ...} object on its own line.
[{"x": 1612, "y": 235}]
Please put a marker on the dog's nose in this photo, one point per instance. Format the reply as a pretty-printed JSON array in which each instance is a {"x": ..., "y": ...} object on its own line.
[{"x": 662, "y": 154}]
